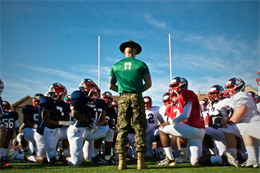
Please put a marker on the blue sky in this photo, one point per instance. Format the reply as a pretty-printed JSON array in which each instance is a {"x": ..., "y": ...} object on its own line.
[{"x": 43, "y": 42}]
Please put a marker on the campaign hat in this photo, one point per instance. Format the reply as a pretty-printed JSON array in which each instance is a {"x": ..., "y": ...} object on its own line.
[{"x": 130, "y": 43}]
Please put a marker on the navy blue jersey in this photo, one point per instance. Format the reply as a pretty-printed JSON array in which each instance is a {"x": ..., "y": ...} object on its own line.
[
  {"x": 9, "y": 119},
  {"x": 84, "y": 105},
  {"x": 100, "y": 106},
  {"x": 58, "y": 110},
  {"x": 32, "y": 112},
  {"x": 110, "y": 114}
]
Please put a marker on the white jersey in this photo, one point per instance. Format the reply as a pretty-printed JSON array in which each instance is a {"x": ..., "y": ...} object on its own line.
[
  {"x": 220, "y": 106},
  {"x": 243, "y": 98},
  {"x": 152, "y": 117},
  {"x": 162, "y": 112}
]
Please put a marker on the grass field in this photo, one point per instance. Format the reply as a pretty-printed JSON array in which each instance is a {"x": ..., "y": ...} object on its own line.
[{"x": 22, "y": 167}]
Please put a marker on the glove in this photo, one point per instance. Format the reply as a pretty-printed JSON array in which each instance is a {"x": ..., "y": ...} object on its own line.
[{"x": 93, "y": 126}]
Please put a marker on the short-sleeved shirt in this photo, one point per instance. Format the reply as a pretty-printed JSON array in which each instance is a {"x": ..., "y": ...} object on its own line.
[
  {"x": 244, "y": 99},
  {"x": 129, "y": 74},
  {"x": 58, "y": 110}
]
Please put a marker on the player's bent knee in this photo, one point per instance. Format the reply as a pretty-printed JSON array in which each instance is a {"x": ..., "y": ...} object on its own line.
[{"x": 109, "y": 135}]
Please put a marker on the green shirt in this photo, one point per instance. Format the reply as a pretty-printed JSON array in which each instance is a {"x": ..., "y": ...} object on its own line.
[{"x": 129, "y": 73}]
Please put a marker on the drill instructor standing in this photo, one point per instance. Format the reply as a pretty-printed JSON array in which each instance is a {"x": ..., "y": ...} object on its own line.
[{"x": 129, "y": 74}]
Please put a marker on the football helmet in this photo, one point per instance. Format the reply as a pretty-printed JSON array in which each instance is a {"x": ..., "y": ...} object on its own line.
[
  {"x": 177, "y": 85},
  {"x": 216, "y": 93},
  {"x": 254, "y": 96},
  {"x": 235, "y": 85},
  {"x": 6, "y": 106},
  {"x": 114, "y": 104},
  {"x": 67, "y": 99},
  {"x": 107, "y": 97},
  {"x": 166, "y": 99},
  {"x": 36, "y": 99},
  {"x": 58, "y": 90},
  {"x": 1, "y": 86},
  {"x": 90, "y": 88},
  {"x": 147, "y": 102},
  {"x": 204, "y": 103}
]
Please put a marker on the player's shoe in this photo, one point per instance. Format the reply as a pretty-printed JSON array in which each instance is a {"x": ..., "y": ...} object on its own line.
[
  {"x": 182, "y": 158},
  {"x": 3, "y": 164},
  {"x": 111, "y": 161},
  {"x": 228, "y": 158},
  {"x": 166, "y": 162},
  {"x": 13, "y": 155},
  {"x": 97, "y": 159},
  {"x": 249, "y": 163},
  {"x": 58, "y": 153},
  {"x": 31, "y": 158}
]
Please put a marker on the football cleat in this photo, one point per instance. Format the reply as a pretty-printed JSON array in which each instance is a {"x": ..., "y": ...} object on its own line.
[
  {"x": 58, "y": 153},
  {"x": 228, "y": 158},
  {"x": 97, "y": 159},
  {"x": 182, "y": 158},
  {"x": 31, "y": 158},
  {"x": 166, "y": 162},
  {"x": 5, "y": 165},
  {"x": 249, "y": 163},
  {"x": 111, "y": 161}
]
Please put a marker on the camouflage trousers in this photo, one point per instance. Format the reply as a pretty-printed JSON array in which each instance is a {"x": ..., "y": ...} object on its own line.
[{"x": 131, "y": 111}]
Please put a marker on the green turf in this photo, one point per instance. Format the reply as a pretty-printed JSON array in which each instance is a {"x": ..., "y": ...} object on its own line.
[{"x": 21, "y": 167}]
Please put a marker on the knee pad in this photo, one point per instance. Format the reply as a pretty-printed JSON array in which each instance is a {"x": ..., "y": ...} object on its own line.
[{"x": 109, "y": 135}]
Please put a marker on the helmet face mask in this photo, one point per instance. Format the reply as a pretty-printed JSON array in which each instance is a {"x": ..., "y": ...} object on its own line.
[
  {"x": 147, "y": 102},
  {"x": 166, "y": 99},
  {"x": 89, "y": 87},
  {"x": 57, "y": 90},
  {"x": 67, "y": 99},
  {"x": 114, "y": 104},
  {"x": 204, "y": 103},
  {"x": 254, "y": 96},
  {"x": 36, "y": 100},
  {"x": 6, "y": 106},
  {"x": 215, "y": 93},
  {"x": 235, "y": 85},
  {"x": 107, "y": 97},
  {"x": 178, "y": 84}
]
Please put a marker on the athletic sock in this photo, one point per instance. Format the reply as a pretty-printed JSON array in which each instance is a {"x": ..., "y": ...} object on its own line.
[
  {"x": 168, "y": 152},
  {"x": 233, "y": 152},
  {"x": 251, "y": 153},
  {"x": 216, "y": 159}
]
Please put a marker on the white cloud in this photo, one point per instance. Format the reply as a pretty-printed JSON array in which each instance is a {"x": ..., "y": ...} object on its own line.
[{"x": 154, "y": 22}]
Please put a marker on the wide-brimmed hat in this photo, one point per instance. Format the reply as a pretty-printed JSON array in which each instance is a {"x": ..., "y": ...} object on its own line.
[{"x": 130, "y": 43}]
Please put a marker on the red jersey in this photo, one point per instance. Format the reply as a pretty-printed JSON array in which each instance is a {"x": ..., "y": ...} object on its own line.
[
  {"x": 195, "y": 119},
  {"x": 172, "y": 111}
]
